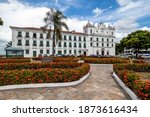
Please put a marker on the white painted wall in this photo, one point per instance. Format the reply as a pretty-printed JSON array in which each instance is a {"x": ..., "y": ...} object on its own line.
[{"x": 97, "y": 32}]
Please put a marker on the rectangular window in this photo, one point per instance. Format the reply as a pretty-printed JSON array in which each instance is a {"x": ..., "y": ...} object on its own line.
[
  {"x": 97, "y": 39},
  {"x": 70, "y": 52},
  {"x": 27, "y": 35},
  {"x": 112, "y": 40},
  {"x": 75, "y": 51},
  {"x": 65, "y": 44},
  {"x": 70, "y": 45},
  {"x": 47, "y": 43},
  {"x": 91, "y": 38},
  {"x": 19, "y": 34},
  {"x": 47, "y": 36},
  {"x": 75, "y": 38},
  {"x": 112, "y": 45},
  {"x": 84, "y": 39},
  {"x": 65, "y": 52},
  {"x": 41, "y": 43},
  {"x": 27, "y": 51},
  {"x": 34, "y": 35},
  {"x": 107, "y": 40},
  {"x": 19, "y": 42},
  {"x": 79, "y": 38},
  {"x": 27, "y": 43},
  {"x": 79, "y": 45},
  {"x": 102, "y": 39},
  {"x": 69, "y": 38},
  {"x": 41, "y": 36},
  {"x": 47, "y": 51},
  {"x": 75, "y": 44},
  {"x": 107, "y": 44},
  {"x": 59, "y": 52},
  {"x": 34, "y": 43},
  {"x": 79, "y": 51},
  {"x": 59, "y": 44},
  {"x": 65, "y": 37},
  {"x": 41, "y": 51},
  {"x": 102, "y": 44},
  {"x": 97, "y": 44},
  {"x": 84, "y": 45},
  {"x": 91, "y": 44}
]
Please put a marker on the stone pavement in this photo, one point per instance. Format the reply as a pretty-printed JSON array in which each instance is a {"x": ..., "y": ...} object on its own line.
[{"x": 99, "y": 86}]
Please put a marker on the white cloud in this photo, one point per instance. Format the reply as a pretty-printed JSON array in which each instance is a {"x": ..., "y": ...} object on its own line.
[
  {"x": 97, "y": 11},
  {"x": 126, "y": 25},
  {"x": 76, "y": 24},
  {"x": 145, "y": 28},
  {"x": 15, "y": 13},
  {"x": 123, "y": 2}
]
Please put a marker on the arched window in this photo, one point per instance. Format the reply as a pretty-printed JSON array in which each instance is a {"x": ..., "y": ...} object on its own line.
[{"x": 91, "y": 31}]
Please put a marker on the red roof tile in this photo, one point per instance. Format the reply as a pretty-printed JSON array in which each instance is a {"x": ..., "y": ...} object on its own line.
[{"x": 39, "y": 29}]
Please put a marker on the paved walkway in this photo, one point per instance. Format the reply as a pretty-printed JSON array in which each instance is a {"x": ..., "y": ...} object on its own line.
[{"x": 100, "y": 85}]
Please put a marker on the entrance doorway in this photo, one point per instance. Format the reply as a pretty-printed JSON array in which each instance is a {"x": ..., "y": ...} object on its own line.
[
  {"x": 34, "y": 53},
  {"x": 84, "y": 53},
  {"x": 97, "y": 53}
]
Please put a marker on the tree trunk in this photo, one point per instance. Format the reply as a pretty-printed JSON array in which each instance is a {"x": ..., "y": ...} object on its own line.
[
  {"x": 53, "y": 46},
  {"x": 137, "y": 50}
]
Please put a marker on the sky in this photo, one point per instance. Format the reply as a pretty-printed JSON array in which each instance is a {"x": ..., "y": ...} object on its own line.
[{"x": 125, "y": 15}]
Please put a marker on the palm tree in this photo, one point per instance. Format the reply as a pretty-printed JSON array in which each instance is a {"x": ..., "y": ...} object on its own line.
[
  {"x": 1, "y": 22},
  {"x": 9, "y": 44},
  {"x": 54, "y": 20}
]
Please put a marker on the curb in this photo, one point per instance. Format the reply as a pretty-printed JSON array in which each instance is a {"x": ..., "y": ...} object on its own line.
[
  {"x": 46, "y": 85},
  {"x": 131, "y": 94}
]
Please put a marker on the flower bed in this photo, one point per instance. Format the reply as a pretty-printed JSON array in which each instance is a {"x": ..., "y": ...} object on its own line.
[
  {"x": 14, "y": 60},
  {"x": 44, "y": 75},
  {"x": 105, "y": 60},
  {"x": 134, "y": 67},
  {"x": 19, "y": 66},
  {"x": 138, "y": 61},
  {"x": 127, "y": 73},
  {"x": 65, "y": 59}
]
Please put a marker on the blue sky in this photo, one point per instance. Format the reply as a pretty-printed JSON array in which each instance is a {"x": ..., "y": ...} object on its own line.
[{"x": 126, "y": 15}]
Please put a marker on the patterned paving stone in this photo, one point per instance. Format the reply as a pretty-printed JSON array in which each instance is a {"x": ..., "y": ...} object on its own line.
[{"x": 100, "y": 86}]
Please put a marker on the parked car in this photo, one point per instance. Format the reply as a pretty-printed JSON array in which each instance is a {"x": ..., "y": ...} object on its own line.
[
  {"x": 146, "y": 56},
  {"x": 123, "y": 55}
]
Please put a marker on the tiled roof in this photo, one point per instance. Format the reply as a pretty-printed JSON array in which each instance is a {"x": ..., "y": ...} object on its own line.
[{"x": 39, "y": 29}]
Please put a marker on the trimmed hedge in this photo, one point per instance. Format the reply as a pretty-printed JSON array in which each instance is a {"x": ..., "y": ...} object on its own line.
[
  {"x": 14, "y": 60},
  {"x": 134, "y": 67},
  {"x": 132, "y": 80},
  {"x": 65, "y": 59},
  {"x": 138, "y": 61},
  {"x": 45, "y": 75},
  {"x": 60, "y": 59},
  {"x": 105, "y": 60},
  {"x": 19, "y": 66}
]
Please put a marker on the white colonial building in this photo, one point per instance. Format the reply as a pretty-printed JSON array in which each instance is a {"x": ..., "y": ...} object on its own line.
[{"x": 94, "y": 40}]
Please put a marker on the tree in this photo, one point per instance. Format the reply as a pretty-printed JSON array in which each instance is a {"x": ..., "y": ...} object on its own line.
[
  {"x": 54, "y": 20},
  {"x": 9, "y": 44},
  {"x": 119, "y": 48},
  {"x": 1, "y": 22},
  {"x": 137, "y": 40}
]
